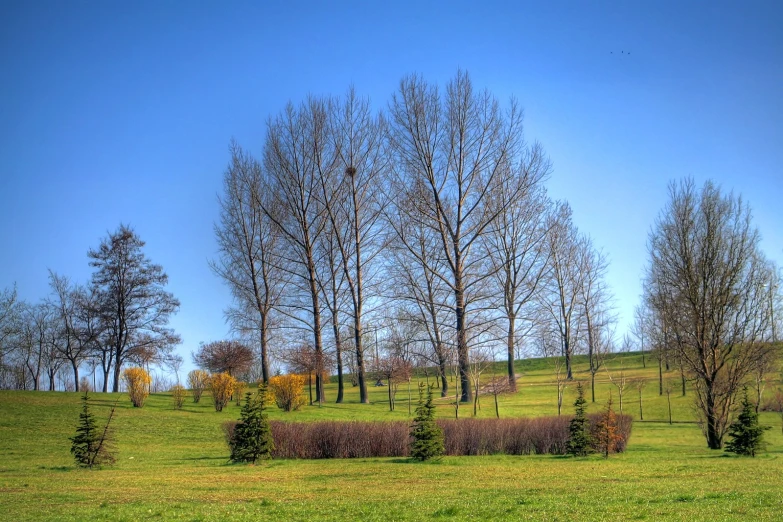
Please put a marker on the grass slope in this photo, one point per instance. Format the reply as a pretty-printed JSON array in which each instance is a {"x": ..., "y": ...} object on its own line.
[{"x": 172, "y": 465}]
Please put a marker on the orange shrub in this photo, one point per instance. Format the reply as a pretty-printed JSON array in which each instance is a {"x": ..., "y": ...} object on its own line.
[
  {"x": 222, "y": 387},
  {"x": 138, "y": 382},
  {"x": 287, "y": 391}
]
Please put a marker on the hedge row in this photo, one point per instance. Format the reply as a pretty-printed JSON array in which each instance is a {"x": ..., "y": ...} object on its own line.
[{"x": 354, "y": 439}]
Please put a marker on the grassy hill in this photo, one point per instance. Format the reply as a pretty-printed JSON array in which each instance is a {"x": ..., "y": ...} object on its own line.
[{"x": 173, "y": 465}]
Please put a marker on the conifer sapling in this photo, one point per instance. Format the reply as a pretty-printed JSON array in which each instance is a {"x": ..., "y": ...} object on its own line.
[
  {"x": 578, "y": 434},
  {"x": 426, "y": 434},
  {"x": 747, "y": 436}
]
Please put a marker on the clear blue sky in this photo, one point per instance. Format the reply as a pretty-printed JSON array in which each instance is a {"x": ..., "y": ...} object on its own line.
[{"x": 117, "y": 112}]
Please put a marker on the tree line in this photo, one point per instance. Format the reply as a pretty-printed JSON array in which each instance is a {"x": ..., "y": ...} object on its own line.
[
  {"x": 120, "y": 317},
  {"x": 421, "y": 235}
]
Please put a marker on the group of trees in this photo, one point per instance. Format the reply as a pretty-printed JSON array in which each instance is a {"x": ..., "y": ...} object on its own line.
[
  {"x": 119, "y": 317},
  {"x": 417, "y": 236}
]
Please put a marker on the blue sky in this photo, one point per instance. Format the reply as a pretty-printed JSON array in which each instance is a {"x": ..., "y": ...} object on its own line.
[{"x": 117, "y": 112}]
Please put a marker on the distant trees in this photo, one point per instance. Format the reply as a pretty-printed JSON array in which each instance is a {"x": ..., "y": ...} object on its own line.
[
  {"x": 707, "y": 285},
  {"x": 132, "y": 305},
  {"x": 230, "y": 356}
]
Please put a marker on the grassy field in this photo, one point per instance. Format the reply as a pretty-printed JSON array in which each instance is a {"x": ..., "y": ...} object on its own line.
[{"x": 172, "y": 465}]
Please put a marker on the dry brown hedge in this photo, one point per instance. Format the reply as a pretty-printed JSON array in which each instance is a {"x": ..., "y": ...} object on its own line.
[{"x": 355, "y": 439}]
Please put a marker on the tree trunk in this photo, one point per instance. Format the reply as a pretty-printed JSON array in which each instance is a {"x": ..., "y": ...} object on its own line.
[
  {"x": 569, "y": 374},
  {"x": 75, "y": 374},
  {"x": 264, "y": 350},
  {"x": 714, "y": 439},
  {"x": 512, "y": 378},
  {"x": 462, "y": 343},
  {"x": 338, "y": 348}
]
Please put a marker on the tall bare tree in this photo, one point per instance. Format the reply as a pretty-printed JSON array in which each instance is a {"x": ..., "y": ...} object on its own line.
[
  {"x": 133, "y": 305},
  {"x": 516, "y": 246},
  {"x": 708, "y": 281},
  {"x": 595, "y": 306},
  {"x": 561, "y": 299},
  {"x": 354, "y": 197},
  {"x": 297, "y": 154},
  {"x": 76, "y": 319},
  {"x": 248, "y": 241},
  {"x": 455, "y": 149}
]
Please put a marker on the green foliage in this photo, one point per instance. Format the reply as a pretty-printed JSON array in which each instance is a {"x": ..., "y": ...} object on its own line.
[
  {"x": 92, "y": 446},
  {"x": 747, "y": 436},
  {"x": 578, "y": 429},
  {"x": 426, "y": 434},
  {"x": 252, "y": 438}
]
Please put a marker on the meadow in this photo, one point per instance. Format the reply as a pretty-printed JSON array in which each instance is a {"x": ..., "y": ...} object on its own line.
[{"x": 173, "y": 465}]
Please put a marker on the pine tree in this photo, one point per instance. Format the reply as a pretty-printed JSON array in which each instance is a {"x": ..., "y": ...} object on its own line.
[
  {"x": 578, "y": 434},
  {"x": 92, "y": 446},
  {"x": 253, "y": 435},
  {"x": 747, "y": 436},
  {"x": 426, "y": 434}
]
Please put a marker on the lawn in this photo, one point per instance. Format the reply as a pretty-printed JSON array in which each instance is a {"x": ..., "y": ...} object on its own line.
[{"x": 173, "y": 465}]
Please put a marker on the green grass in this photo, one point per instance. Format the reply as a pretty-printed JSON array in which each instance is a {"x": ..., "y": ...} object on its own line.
[{"x": 173, "y": 465}]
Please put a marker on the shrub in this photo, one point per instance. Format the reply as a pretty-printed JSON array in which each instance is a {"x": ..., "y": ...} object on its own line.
[
  {"x": 178, "y": 394},
  {"x": 287, "y": 391},
  {"x": 198, "y": 381},
  {"x": 84, "y": 385},
  {"x": 747, "y": 436},
  {"x": 138, "y": 382},
  {"x": 252, "y": 437},
  {"x": 239, "y": 389},
  {"x": 426, "y": 435},
  {"x": 92, "y": 446},
  {"x": 578, "y": 434},
  {"x": 353, "y": 439},
  {"x": 222, "y": 387},
  {"x": 605, "y": 434}
]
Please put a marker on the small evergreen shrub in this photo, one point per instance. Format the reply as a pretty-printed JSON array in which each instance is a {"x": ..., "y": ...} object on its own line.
[
  {"x": 426, "y": 435},
  {"x": 747, "y": 436},
  {"x": 138, "y": 382},
  {"x": 578, "y": 432},
  {"x": 252, "y": 437},
  {"x": 93, "y": 446}
]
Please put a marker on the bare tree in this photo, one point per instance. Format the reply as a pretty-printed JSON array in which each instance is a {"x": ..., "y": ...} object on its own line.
[
  {"x": 455, "y": 150},
  {"x": 76, "y": 319},
  {"x": 561, "y": 300},
  {"x": 516, "y": 245},
  {"x": 297, "y": 154},
  {"x": 354, "y": 197},
  {"x": 550, "y": 346},
  {"x": 423, "y": 295},
  {"x": 708, "y": 282},
  {"x": 230, "y": 356},
  {"x": 248, "y": 258},
  {"x": 10, "y": 320},
  {"x": 133, "y": 305}
]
